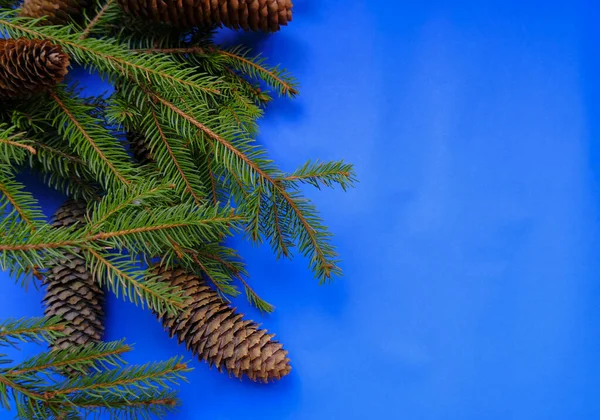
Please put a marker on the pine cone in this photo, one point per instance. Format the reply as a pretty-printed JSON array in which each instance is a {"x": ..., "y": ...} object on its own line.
[
  {"x": 71, "y": 291},
  {"x": 215, "y": 333},
  {"x": 264, "y": 15},
  {"x": 29, "y": 66},
  {"x": 57, "y": 12},
  {"x": 140, "y": 149}
]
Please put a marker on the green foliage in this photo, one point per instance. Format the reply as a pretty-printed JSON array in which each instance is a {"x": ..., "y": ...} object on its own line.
[
  {"x": 33, "y": 330},
  {"x": 87, "y": 136},
  {"x": 197, "y": 104},
  {"x": 101, "y": 382},
  {"x": 121, "y": 222},
  {"x": 240, "y": 60},
  {"x": 18, "y": 205},
  {"x": 13, "y": 147}
]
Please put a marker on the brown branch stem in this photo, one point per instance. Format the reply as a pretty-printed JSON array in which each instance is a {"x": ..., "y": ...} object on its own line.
[
  {"x": 116, "y": 352},
  {"x": 108, "y": 235},
  {"x": 20, "y": 145},
  {"x": 177, "y": 368},
  {"x": 4, "y": 380},
  {"x": 95, "y": 21}
]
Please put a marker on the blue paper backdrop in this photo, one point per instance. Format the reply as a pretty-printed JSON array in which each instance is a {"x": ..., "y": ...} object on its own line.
[{"x": 470, "y": 251}]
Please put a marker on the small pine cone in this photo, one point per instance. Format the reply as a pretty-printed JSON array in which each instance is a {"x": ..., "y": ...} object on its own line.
[
  {"x": 71, "y": 291},
  {"x": 140, "y": 149},
  {"x": 29, "y": 66},
  {"x": 217, "y": 334},
  {"x": 263, "y": 15},
  {"x": 57, "y": 12}
]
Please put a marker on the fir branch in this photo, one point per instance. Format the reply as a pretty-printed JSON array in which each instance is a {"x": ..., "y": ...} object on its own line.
[
  {"x": 95, "y": 356},
  {"x": 211, "y": 135},
  {"x": 138, "y": 406},
  {"x": 72, "y": 186},
  {"x": 13, "y": 146},
  {"x": 280, "y": 239},
  {"x": 111, "y": 58},
  {"x": 63, "y": 171},
  {"x": 143, "y": 380},
  {"x": 236, "y": 190},
  {"x": 238, "y": 58},
  {"x": 306, "y": 227},
  {"x": 304, "y": 223},
  {"x": 33, "y": 330},
  {"x": 213, "y": 181},
  {"x": 59, "y": 153},
  {"x": 133, "y": 229},
  {"x": 256, "y": 93},
  {"x": 142, "y": 194},
  {"x": 45, "y": 245},
  {"x": 38, "y": 392},
  {"x": 170, "y": 153},
  {"x": 13, "y": 143},
  {"x": 324, "y": 174},
  {"x": 255, "y": 299},
  {"x": 101, "y": 151},
  {"x": 254, "y": 205},
  {"x": 256, "y": 68},
  {"x": 121, "y": 277},
  {"x": 180, "y": 50},
  {"x": 226, "y": 257},
  {"x": 174, "y": 159},
  {"x": 220, "y": 281},
  {"x": 20, "y": 249},
  {"x": 15, "y": 200},
  {"x": 180, "y": 223},
  {"x": 227, "y": 263},
  {"x": 19, "y": 388},
  {"x": 133, "y": 232},
  {"x": 90, "y": 26},
  {"x": 59, "y": 167}
]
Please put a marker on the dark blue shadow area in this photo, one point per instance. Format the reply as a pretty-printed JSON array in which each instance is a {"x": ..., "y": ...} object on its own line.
[{"x": 470, "y": 245}]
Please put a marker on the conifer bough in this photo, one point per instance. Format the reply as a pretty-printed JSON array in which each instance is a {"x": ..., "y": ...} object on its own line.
[
  {"x": 30, "y": 66},
  {"x": 71, "y": 291},
  {"x": 198, "y": 174},
  {"x": 218, "y": 335},
  {"x": 34, "y": 390},
  {"x": 255, "y": 15},
  {"x": 56, "y": 12}
]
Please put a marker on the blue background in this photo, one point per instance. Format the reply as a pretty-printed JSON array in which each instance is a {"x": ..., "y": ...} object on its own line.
[{"x": 470, "y": 246}]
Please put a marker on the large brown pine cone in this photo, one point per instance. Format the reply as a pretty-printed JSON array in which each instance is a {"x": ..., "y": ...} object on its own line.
[
  {"x": 29, "y": 66},
  {"x": 57, "y": 12},
  {"x": 217, "y": 334},
  {"x": 263, "y": 15},
  {"x": 71, "y": 291}
]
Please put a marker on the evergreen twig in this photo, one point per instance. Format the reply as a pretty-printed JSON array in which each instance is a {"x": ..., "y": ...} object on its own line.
[
  {"x": 200, "y": 175},
  {"x": 35, "y": 389}
]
